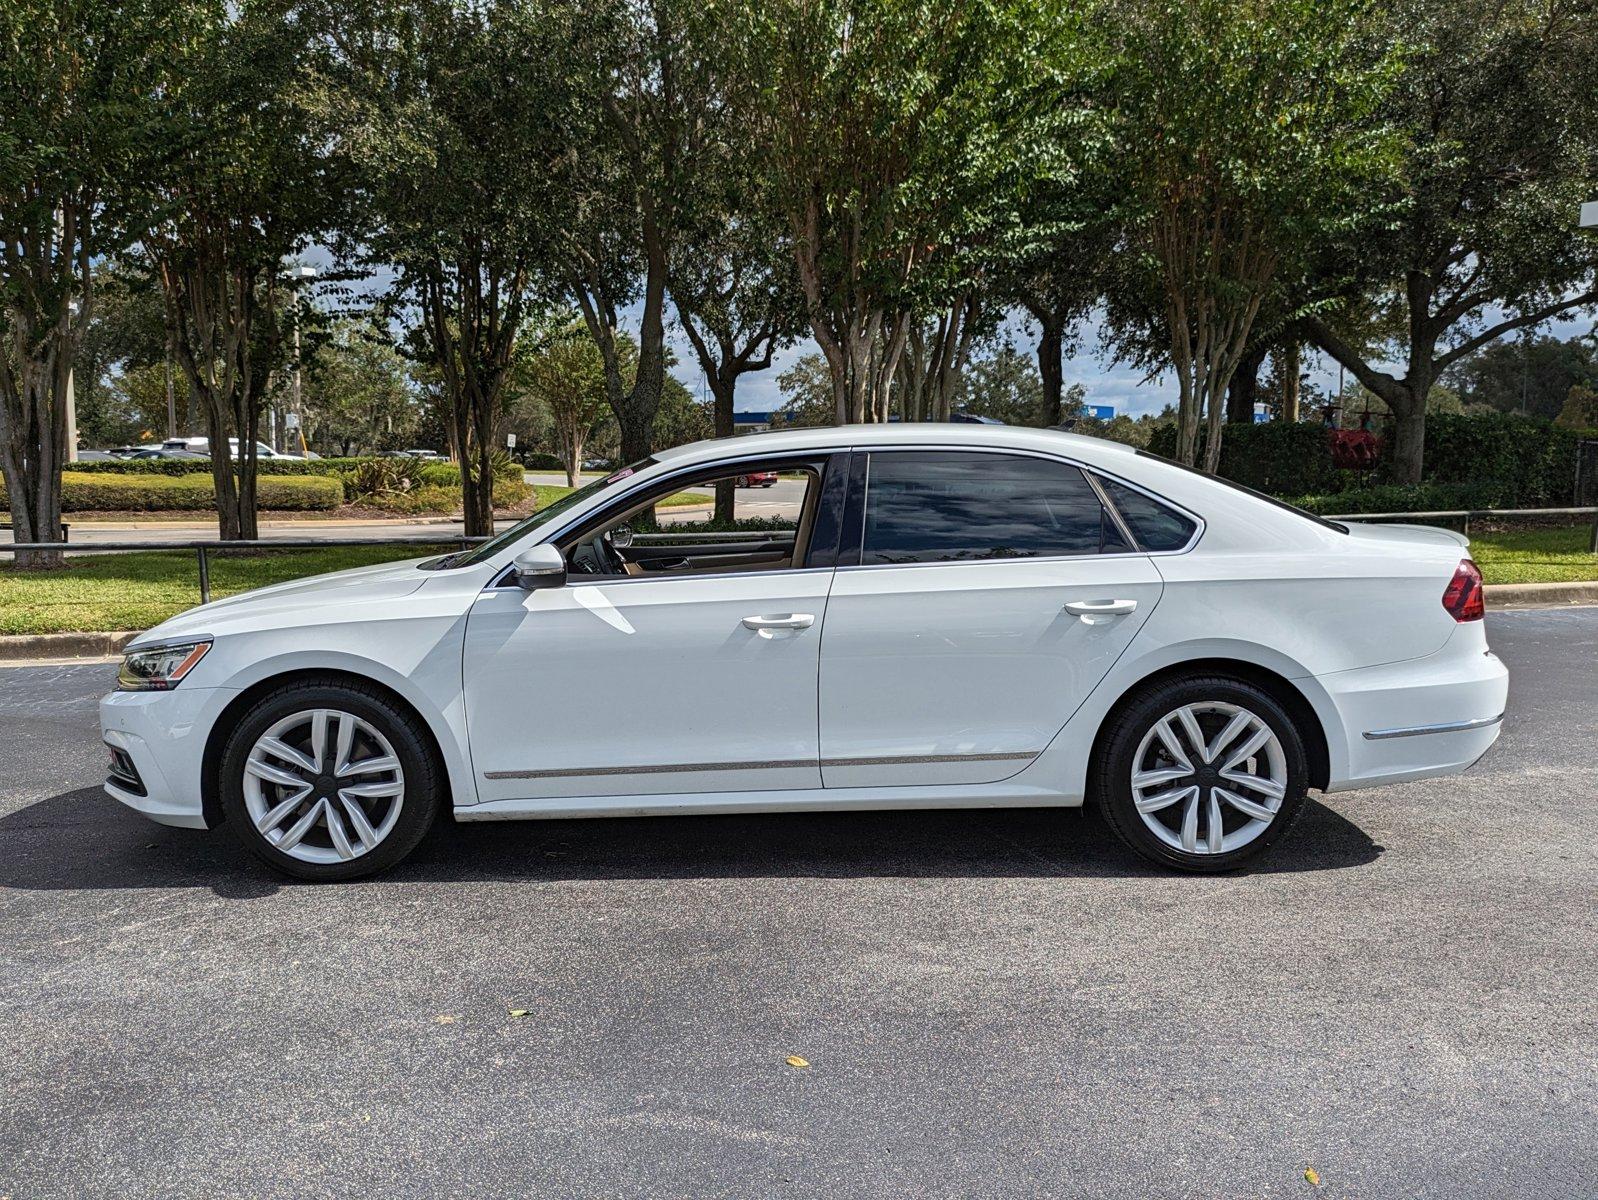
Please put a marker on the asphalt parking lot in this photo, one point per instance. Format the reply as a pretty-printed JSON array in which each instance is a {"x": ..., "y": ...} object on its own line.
[{"x": 998, "y": 1003}]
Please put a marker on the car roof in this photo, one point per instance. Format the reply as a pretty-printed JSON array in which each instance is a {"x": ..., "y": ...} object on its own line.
[{"x": 909, "y": 434}]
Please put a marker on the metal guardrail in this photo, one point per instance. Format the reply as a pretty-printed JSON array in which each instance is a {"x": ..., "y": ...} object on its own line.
[
  {"x": 1466, "y": 515},
  {"x": 203, "y": 550}
]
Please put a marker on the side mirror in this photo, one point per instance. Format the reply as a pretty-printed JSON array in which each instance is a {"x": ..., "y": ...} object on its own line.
[
  {"x": 621, "y": 537},
  {"x": 540, "y": 567}
]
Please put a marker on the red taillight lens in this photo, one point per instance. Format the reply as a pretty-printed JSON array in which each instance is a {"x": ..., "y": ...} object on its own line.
[{"x": 1463, "y": 597}]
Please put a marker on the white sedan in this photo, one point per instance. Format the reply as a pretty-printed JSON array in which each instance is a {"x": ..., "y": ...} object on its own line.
[{"x": 951, "y": 616}]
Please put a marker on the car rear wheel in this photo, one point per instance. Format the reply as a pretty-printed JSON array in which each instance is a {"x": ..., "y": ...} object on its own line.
[
  {"x": 329, "y": 781},
  {"x": 1201, "y": 774}
]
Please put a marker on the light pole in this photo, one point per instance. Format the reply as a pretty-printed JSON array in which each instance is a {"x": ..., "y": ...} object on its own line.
[
  {"x": 298, "y": 278},
  {"x": 1589, "y": 220}
]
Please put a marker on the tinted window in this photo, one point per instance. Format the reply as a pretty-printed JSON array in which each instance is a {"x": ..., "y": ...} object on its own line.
[
  {"x": 956, "y": 507},
  {"x": 1155, "y": 526}
]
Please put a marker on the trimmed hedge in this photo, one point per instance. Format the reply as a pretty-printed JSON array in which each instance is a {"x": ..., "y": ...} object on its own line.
[
  {"x": 440, "y": 474},
  {"x": 90, "y": 492},
  {"x": 1492, "y": 460}
]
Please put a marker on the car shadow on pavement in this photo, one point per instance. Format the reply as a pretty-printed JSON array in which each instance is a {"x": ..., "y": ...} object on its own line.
[{"x": 83, "y": 840}]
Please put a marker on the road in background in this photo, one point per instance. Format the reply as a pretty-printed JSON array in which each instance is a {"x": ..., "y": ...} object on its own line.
[{"x": 992, "y": 1003}]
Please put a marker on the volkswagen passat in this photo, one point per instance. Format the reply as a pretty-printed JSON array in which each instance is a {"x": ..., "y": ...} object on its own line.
[{"x": 952, "y": 616}]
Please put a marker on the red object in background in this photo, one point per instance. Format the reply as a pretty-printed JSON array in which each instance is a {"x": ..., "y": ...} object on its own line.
[
  {"x": 757, "y": 479},
  {"x": 1354, "y": 449}
]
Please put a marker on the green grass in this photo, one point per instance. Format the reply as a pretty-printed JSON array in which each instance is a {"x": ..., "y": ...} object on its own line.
[
  {"x": 138, "y": 590},
  {"x": 1535, "y": 555}
]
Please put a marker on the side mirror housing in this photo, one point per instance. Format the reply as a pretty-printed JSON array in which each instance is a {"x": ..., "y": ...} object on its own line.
[{"x": 540, "y": 567}]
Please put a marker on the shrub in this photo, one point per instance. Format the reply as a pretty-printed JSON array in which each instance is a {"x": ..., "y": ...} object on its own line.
[
  {"x": 1392, "y": 497},
  {"x": 379, "y": 480},
  {"x": 437, "y": 472},
  {"x": 91, "y": 492},
  {"x": 1532, "y": 461},
  {"x": 1278, "y": 457}
]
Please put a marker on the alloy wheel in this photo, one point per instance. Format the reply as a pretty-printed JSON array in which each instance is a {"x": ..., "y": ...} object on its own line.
[
  {"x": 323, "y": 786},
  {"x": 1209, "y": 778}
]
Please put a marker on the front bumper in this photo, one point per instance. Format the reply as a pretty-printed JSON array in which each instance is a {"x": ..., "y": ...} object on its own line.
[
  {"x": 163, "y": 735},
  {"x": 1417, "y": 719}
]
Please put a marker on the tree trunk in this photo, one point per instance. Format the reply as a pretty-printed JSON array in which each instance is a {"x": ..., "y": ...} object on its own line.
[
  {"x": 722, "y": 394},
  {"x": 1289, "y": 359},
  {"x": 1244, "y": 388},
  {"x": 1051, "y": 366}
]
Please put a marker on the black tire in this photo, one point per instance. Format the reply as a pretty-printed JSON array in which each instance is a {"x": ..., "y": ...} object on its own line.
[
  {"x": 423, "y": 774},
  {"x": 1112, "y": 774}
]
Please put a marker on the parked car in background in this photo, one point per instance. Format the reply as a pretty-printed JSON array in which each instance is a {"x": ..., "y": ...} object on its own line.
[
  {"x": 200, "y": 445},
  {"x": 961, "y": 616},
  {"x": 166, "y": 452},
  {"x": 754, "y": 479},
  {"x": 428, "y": 455},
  {"x": 96, "y": 456}
]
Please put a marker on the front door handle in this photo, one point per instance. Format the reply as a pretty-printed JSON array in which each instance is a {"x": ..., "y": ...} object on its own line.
[
  {"x": 792, "y": 621},
  {"x": 1101, "y": 608}
]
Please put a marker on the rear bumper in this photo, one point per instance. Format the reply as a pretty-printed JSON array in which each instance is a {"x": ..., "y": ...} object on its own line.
[{"x": 1414, "y": 720}]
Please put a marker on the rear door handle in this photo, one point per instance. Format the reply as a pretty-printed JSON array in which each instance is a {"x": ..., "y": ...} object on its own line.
[
  {"x": 1101, "y": 608},
  {"x": 792, "y": 621}
]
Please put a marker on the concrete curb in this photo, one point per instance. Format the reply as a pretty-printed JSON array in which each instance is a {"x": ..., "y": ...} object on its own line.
[
  {"x": 31, "y": 647},
  {"x": 28, "y": 647},
  {"x": 1540, "y": 595}
]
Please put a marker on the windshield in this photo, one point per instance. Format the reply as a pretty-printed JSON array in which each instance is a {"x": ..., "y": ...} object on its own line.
[{"x": 543, "y": 516}]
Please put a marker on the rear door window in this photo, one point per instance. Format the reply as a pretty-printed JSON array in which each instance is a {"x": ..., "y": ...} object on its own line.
[
  {"x": 953, "y": 506},
  {"x": 1156, "y": 526}
]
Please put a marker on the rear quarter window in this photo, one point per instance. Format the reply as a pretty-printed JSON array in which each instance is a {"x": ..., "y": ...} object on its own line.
[{"x": 1156, "y": 526}]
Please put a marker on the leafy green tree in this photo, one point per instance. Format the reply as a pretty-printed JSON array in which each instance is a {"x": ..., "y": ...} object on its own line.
[
  {"x": 240, "y": 182},
  {"x": 899, "y": 136},
  {"x": 807, "y": 394},
  {"x": 1007, "y": 386},
  {"x": 565, "y": 377},
  {"x": 1246, "y": 132},
  {"x": 660, "y": 150},
  {"x": 1580, "y": 410},
  {"x": 1500, "y": 147},
  {"x": 464, "y": 124},
  {"x": 71, "y": 75},
  {"x": 1528, "y": 374},
  {"x": 357, "y": 393}
]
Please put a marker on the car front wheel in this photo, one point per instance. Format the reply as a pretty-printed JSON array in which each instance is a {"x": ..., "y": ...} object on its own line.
[
  {"x": 1201, "y": 774},
  {"x": 329, "y": 781}
]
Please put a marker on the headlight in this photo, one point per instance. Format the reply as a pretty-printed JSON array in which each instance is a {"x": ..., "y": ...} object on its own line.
[{"x": 159, "y": 668}]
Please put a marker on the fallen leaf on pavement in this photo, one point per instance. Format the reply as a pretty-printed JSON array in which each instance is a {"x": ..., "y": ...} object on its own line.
[
  {"x": 793, "y": 1060},
  {"x": 1312, "y": 1177},
  {"x": 446, "y": 1019},
  {"x": 521, "y": 1012}
]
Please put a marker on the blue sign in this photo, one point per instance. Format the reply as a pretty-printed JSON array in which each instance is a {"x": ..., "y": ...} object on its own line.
[{"x": 1102, "y": 412}]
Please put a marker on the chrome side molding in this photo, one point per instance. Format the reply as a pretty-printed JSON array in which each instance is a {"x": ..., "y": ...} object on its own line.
[{"x": 1378, "y": 735}]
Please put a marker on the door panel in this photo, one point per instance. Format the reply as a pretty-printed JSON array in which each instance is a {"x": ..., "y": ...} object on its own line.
[
  {"x": 627, "y": 687},
  {"x": 957, "y": 673}
]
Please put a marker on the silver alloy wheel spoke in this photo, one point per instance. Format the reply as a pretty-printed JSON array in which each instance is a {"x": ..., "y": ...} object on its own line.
[
  {"x": 1173, "y": 745},
  {"x": 288, "y": 762},
  {"x": 274, "y": 816},
  {"x": 297, "y": 831},
  {"x": 284, "y": 752},
  {"x": 368, "y": 766},
  {"x": 1190, "y": 822},
  {"x": 345, "y": 741},
  {"x": 1244, "y": 805},
  {"x": 266, "y": 771},
  {"x": 1202, "y": 765},
  {"x": 1149, "y": 804},
  {"x": 1239, "y": 722},
  {"x": 363, "y": 827},
  {"x": 336, "y": 831}
]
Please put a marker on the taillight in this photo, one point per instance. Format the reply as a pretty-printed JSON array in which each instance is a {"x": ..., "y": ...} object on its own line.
[{"x": 1463, "y": 597}]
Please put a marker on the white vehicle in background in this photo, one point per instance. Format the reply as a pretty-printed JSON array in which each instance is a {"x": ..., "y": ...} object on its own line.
[
  {"x": 959, "y": 616},
  {"x": 200, "y": 445}
]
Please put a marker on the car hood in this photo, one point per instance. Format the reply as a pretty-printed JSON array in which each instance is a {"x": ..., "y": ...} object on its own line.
[
  {"x": 1411, "y": 535},
  {"x": 359, "y": 585}
]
